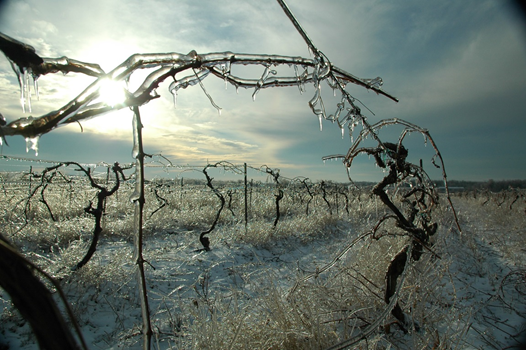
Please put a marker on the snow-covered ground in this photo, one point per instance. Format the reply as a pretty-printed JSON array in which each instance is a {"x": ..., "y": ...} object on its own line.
[{"x": 468, "y": 294}]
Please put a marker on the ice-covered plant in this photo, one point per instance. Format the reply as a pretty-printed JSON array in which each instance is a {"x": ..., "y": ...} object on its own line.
[{"x": 187, "y": 70}]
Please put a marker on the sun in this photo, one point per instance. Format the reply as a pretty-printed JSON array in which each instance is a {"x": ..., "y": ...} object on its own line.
[
  {"x": 112, "y": 92},
  {"x": 109, "y": 54}
]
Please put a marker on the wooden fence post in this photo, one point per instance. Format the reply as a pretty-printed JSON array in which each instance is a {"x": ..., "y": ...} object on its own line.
[{"x": 245, "y": 189}]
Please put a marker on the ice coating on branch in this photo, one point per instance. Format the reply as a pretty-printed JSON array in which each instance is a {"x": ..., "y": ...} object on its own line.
[
  {"x": 174, "y": 95},
  {"x": 321, "y": 70},
  {"x": 317, "y": 105},
  {"x": 172, "y": 65},
  {"x": 338, "y": 111},
  {"x": 375, "y": 82},
  {"x": 64, "y": 64},
  {"x": 136, "y": 125},
  {"x": 35, "y": 86},
  {"x": 188, "y": 81},
  {"x": 301, "y": 78},
  {"x": 259, "y": 84}
]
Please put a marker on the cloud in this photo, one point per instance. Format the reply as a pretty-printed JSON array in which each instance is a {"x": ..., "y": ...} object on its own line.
[
  {"x": 487, "y": 65},
  {"x": 455, "y": 65}
]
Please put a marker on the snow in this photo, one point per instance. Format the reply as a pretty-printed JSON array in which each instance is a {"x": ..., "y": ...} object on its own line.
[{"x": 236, "y": 295}]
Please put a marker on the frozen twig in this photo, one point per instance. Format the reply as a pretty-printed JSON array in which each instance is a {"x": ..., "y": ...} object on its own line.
[
  {"x": 160, "y": 199},
  {"x": 366, "y": 332},
  {"x": 98, "y": 211},
  {"x": 276, "y": 174},
  {"x": 324, "y": 194},
  {"x": 336, "y": 258},
  {"x": 205, "y": 241},
  {"x": 304, "y": 182},
  {"x": 138, "y": 199}
]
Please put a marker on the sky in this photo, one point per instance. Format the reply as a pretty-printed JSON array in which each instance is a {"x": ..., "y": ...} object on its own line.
[{"x": 457, "y": 68}]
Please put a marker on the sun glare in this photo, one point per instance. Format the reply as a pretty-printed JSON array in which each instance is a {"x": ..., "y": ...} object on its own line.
[{"x": 111, "y": 92}]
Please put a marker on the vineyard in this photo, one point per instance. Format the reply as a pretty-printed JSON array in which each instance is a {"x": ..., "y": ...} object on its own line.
[
  {"x": 307, "y": 273},
  {"x": 101, "y": 256}
]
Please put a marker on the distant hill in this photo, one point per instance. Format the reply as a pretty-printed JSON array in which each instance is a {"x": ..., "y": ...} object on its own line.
[{"x": 492, "y": 185}]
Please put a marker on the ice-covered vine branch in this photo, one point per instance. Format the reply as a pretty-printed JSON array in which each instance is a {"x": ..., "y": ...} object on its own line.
[{"x": 171, "y": 65}]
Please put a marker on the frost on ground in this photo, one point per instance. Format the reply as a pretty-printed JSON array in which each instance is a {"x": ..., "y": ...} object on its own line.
[{"x": 468, "y": 292}]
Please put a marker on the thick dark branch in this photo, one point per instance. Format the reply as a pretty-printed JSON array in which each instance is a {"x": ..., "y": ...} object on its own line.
[
  {"x": 395, "y": 269},
  {"x": 98, "y": 212},
  {"x": 34, "y": 301},
  {"x": 324, "y": 194},
  {"x": 26, "y": 58},
  {"x": 278, "y": 197},
  {"x": 298, "y": 27},
  {"x": 23, "y": 55},
  {"x": 342, "y": 75},
  {"x": 162, "y": 200},
  {"x": 276, "y": 174},
  {"x": 309, "y": 193},
  {"x": 65, "y": 65},
  {"x": 205, "y": 241}
]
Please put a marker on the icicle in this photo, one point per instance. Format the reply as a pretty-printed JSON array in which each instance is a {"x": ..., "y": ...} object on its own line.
[
  {"x": 28, "y": 89},
  {"x": 35, "y": 85},
  {"x": 260, "y": 82},
  {"x": 256, "y": 90},
  {"x": 22, "y": 93},
  {"x": 295, "y": 67},
  {"x": 20, "y": 83},
  {"x": 315, "y": 101},
  {"x": 32, "y": 144},
  {"x": 173, "y": 88},
  {"x": 206, "y": 93},
  {"x": 320, "y": 121},
  {"x": 174, "y": 95},
  {"x": 25, "y": 87},
  {"x": 226, "y": 71}
]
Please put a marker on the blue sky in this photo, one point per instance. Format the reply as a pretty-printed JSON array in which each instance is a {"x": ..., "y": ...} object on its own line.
[{"x": 458, "y": 68}]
